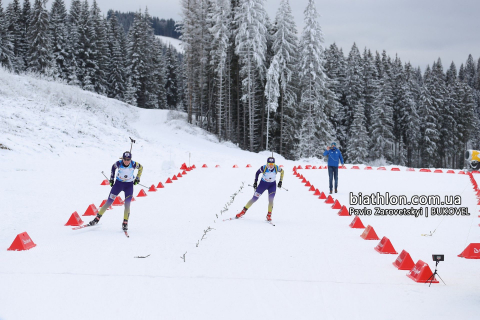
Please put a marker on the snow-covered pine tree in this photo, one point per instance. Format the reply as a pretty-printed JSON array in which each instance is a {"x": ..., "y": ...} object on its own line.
[
  {"x": 130, "y": 95},
  {"x": 59, "y": 37},
  {"x": 335, "y": 68},
  {"x": 87, "y": 51},
  {"x": 14, "y": 16},
  {"x": 172, "y": 74},
  {"x": 411, "y": 120},
  {"x": 397, "y": 82},
  {"x": 154, "y": 75},
  {"x": 371, "y": 86},
  {"x": 317, "y": 101},
  {"x": 445, "y": 121},
  {"x": 461, "y": 73},
  {"x": 116, "y": 72},
  {"x": 100, "y": 50},
  {"x": 220, "y": 30},
  {"x": 285, "y": 44},
  {"x": 429, "y": 127},
  {"x": 38, "y": 37},
  {"x": 355, "y": 122},
  {"x": 251, "y": 46},
  {"x": 74, "y": 42},
  {"x": 136, "y": 58},
  {"x": 272, "y": 92},
  {"x": 7, "y": 56},
  {"x": 160, "y": 75},
  {"x": 24, "y": 27},
  {"x": 381, "y": 130},
  {"x": 470, "y": 70},
  {"x": 188, "y": 30}
]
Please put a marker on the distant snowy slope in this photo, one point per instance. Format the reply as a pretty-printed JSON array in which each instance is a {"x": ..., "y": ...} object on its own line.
[
  {"x": 38, "y": 115},
  {"x": 174, "y": 42}
]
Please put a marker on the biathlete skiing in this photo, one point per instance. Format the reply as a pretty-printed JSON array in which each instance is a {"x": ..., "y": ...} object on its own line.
[
  {"x": 268, "y": 182},
  {"x": 124, "y": 181}
]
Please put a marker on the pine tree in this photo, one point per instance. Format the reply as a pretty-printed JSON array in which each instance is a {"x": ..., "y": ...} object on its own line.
[
  {"x": 382, "y": 138},
  {"x": 59, "y": 37},
  {"x": 86, "y": 57},
  {"x": 470, "y": 70},
  {"x": 14, "y": 17},
  {"x": 220, "y": 20},
  {"x": 74, "y": 48},
  {"x": 445, "y": 119},
  {"x": 99, "y": 50},
  {"x": 429, "y": 116},
  {"x": 38, "y": 36},
  {"x": 335, "y": 68},
  {"x": 272, "y": 91},
  {"x": 355, "y": 120},
  {"x": 6, "y": 44},
  {"x": 153, "y": 77},
  {"x": 160, "y": 76},
  {"x": 136, "y": 58},
  {"x": 24, "y": 27},
  {"x": 285, "y": 44},
  {"x": 172, "y": 75},
  {"x": 411, "y": 121},
  {"x": 251, "y": 46},
  {"x": 188, "y": 36},
  {"x": 317, "y": 101},
  {"x": 116, "y": 72},
  {"x": 130, "y": 95},
  {"x": 370, "y": 86}
]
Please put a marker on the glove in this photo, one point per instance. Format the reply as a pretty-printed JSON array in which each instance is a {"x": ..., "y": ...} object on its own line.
[
  {"x": 136, "y": 181},
  {"x": 111, "y": 182},
  {"x": 279, "y": 184},
  {"x": 255, "y": 185}
]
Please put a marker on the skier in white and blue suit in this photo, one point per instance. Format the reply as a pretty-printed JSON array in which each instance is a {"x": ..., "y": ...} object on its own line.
[
  {"x": 268, "y": 182},
  {"x": 334, "y": 155},
  {"x": 124, "y": 181}
]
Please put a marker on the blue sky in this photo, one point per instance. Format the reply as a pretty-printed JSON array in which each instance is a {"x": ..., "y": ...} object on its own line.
[{"x": 420, "y": 31}]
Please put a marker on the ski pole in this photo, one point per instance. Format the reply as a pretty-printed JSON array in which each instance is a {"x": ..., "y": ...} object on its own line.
[
  {"x": 104, "y": 175},
  {"x": 131, "y": 144},
  {"x": 284, "y": 189},
  {"x": 143, "y": 185}
]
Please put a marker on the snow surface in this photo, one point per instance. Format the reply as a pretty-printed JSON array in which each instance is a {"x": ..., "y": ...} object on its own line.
[
  {"x": 311, "y": 265},
  {"x": 177, "y": 44}
]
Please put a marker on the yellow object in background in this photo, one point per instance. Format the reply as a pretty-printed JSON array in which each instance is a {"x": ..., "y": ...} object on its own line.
[{"x": 472, "y": 155}]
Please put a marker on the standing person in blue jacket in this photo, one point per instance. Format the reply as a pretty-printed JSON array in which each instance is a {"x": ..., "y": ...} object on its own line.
[{"x": 334, "y": 155}]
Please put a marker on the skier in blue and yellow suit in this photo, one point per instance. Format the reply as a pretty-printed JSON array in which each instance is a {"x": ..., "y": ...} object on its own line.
[
  {"x": 268, "y": 183},
  {"x": 124, "y": 182}
]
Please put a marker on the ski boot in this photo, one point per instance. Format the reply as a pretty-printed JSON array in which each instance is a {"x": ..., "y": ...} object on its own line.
[
  {"x": 335, "y": 190},
  {"x": 330, "y": 191},
  {"x": 269, "y": 216},
  {"x": 239, "y": 215},
  {"x": 125, "y": 225},
  {"x": 95, "y": 221}
]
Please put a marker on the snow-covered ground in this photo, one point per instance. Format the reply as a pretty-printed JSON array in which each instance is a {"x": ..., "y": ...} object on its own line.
[
  {"x": 177, "y": 44},
  {"x": 310, "y": 265}
]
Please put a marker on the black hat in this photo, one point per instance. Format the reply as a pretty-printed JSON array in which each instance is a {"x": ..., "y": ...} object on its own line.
[
  {"x": 127, "y": 155},
  {"x": 271, "y": 160}
]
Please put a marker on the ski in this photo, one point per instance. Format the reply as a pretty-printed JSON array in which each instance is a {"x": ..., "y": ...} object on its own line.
[
  {"x": 81, "y": 227},
  {"x": 234, "y": 218}
]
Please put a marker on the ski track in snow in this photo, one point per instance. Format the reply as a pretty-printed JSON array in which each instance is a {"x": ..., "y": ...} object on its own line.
[{"x": 310, "y": 266}]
